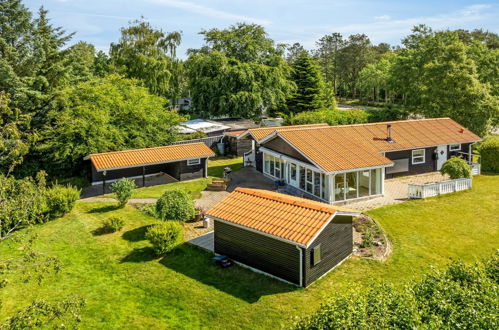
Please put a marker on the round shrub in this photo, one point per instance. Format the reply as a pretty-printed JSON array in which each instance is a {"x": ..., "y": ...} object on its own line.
[
  {"x": 165, "y": 236},
  {"x": 175, "y": 205},
  {"x": 456, "y": 168},
  {"x": 113, "y": 224},
  {"x": 489, "y": 151},
  {"x": 123, "y": 189},
  {"x": 60, "y": 200}
]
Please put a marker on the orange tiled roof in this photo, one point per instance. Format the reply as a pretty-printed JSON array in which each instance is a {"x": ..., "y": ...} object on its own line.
[
  {"x": 148, "y": 156},
  {"x": 235, "y": 133},
  {"x": 338, "y": 148},
  {"x": 263, "y": 132},
  {"x": 295, "y": 219}
]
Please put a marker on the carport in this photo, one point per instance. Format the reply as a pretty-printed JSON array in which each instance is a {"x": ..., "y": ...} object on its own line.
[{"x": 180, "y": 161}]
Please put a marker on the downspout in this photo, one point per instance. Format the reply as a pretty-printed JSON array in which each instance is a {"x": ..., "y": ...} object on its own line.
[{"x": 301, "y": 264}]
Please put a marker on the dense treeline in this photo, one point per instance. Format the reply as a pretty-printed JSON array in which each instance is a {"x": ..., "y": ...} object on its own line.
[{"x": 59, "y": 103}]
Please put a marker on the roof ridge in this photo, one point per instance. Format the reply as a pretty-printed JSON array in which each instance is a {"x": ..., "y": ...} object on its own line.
[
  {"x": 289, "y": 126},
  {"x": 141, "y": 149},
  {"x": 287, "y": 199}
]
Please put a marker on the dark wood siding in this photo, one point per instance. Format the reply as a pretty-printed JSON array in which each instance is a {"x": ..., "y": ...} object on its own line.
[
  {"x": 237, "y": 147},
  {"x": 465, "y": 147},
  {"x": 261, "y": 252},
  {"x": 428, "y": 166},
  {"x": 336, "y": 241},
  {"x": 279, "y": 145},
  {"x": 127, "y": 172},
  {"x": 179, "y": 170},
  {"x": 259, "y": 160}
]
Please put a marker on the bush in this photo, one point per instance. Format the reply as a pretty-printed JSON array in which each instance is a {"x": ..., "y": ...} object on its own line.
[
  {"x": 456, "y": 168},
  {"x": 459, "y": 297},
  {"x": 113, "y": 224},
  {"x": 489, "y": 151},
  {"x": 123, "y": 189},
  {"x": 60, "y": 200},
  {"x": 175, "y": 205},
  {"x": 165, "y": 236},
  {"x": 331, "y": 117}
]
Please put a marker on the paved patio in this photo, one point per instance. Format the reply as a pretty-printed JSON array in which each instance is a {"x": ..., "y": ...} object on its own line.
[
  {"x": 205, "y": 241},
  {"x": 396, "y": 190},
  {"x": 246, "y": 177}
]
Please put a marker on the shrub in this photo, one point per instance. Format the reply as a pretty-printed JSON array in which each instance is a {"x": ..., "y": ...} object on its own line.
[
  {"x": 331, "y": 117},
  {"x": 175, "y": 205},
  {"x": 60, "y": 200},
  {"x": 456, "y": 168},
  {"x": 489, "y": 151},
  {"x": 149, "y": 209},
  {"x": 461, "y": 296},
  {"x": 123, "y": 189},
  {"x": 113, "y": 224},
  {"x": 165, "y": 236}
]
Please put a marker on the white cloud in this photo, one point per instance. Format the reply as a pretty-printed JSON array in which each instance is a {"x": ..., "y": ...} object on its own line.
[
  {"x": 382, "y": 18},
  {"x": 384, "y": 30},
  {"x": 207, "y": 11}
]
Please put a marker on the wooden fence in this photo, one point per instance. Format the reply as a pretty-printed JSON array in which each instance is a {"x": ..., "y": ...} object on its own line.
[
  {"x": 438, "y": 188},
  {"x": 210, "y": 141}
]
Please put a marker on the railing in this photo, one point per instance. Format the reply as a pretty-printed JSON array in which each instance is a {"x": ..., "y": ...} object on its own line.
[
  {"x": 475, "y": 168},
  {"x": 438, "y": 188}
]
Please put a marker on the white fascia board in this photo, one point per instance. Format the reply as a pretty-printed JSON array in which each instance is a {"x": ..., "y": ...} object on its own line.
[
  {"x": 360, "y": 169},
  {"x": 291, "y": 159},
  {"x": 431, "y": 146}
]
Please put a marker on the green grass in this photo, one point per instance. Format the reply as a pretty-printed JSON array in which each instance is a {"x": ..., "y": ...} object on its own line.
[
  {"x": 194, "y": 187},
  {"x": 126, "y": 287}
]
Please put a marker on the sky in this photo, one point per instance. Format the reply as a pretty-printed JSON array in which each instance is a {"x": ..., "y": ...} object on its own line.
[{"x": 286, "y": 21}]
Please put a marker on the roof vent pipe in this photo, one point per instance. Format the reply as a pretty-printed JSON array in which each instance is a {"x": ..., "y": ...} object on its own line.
[{"x": 389, "y": 133}]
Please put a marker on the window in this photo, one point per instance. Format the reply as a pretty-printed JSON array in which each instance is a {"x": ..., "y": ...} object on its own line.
[
  {"x": 418, "y": 156},
  {"x": 272, "y": 166},
  {"x": 196, "y": 161},
  {"x": 454, "y": 147},
  {"x": 292, "y": 172},
  {"x": 316, "y": 255},
  {"x": 310, "y": 181}
]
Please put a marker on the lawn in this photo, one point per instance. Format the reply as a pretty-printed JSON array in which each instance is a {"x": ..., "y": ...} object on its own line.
[
  {"x": 125, "y": 286},
  {"x": 215, "y": 170}
]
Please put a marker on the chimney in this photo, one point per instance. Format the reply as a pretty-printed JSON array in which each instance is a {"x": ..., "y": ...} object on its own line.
[{"x": 389, "y": 133}]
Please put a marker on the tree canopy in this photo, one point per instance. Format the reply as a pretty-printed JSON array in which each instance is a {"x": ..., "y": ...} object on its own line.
[{"x": 239, "y": 72}]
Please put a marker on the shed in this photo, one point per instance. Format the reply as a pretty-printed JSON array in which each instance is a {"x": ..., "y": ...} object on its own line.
[
  {"x": 291, "y": 238},
  {"x": 180, "y": 161}
]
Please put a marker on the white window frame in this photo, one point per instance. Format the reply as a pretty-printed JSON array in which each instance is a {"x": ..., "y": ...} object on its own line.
[
  {"x": 192, "y": 162},
  {"x": 423, "y": 156},
  {"x": 455, "y": 149},
  {"x": 316, "y": 255}
]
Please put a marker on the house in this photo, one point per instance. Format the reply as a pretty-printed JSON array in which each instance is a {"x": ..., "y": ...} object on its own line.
[
  {"x": 180, "y": 161},
  {"x": 294, "y": 239},
  {"x": 350, "y": 162}
]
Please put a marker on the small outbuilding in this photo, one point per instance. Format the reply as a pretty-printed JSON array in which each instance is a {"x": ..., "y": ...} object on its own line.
[
  {"x": 180, "y": 161},
  {"x": 294, "y": 239}
]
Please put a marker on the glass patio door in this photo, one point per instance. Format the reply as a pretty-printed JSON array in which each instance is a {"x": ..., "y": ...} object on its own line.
[{"x": 293, "y": 174}]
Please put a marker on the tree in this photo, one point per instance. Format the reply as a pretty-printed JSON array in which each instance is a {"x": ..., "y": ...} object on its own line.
[
  {"x": 375, "y": 77},
  {"x": 352, "y": 58},
  {"x": 104, "y": 114},
  {"x": 165, "y": 236},
  {"x": 81, "y": 59},
  {"x": 327, "y": 54},
  {"x": 175, "y": 205},
  {"x": 438, "y": 76},
  {"x": 14, "y": 143},
  {"x": 148, "y": 55},
  {"x": 293, "y": 52},
  {"x": 239, "y": 72},
  {"x": 309, "y": 92}
]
